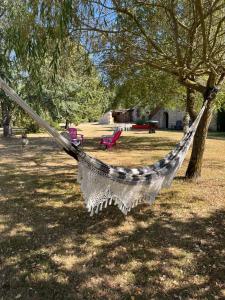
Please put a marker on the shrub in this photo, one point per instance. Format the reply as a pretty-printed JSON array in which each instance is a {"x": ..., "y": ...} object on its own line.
[
  {"x": 32, "y": 127},
  {"x": 140, "y": 122}
]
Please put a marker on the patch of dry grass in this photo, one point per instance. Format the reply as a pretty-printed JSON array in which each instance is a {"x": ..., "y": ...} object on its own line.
[{"x": 51, "y": 249}]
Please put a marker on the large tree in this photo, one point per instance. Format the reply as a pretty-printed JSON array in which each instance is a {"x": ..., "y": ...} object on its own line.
[{"x": 182, "y": 38}]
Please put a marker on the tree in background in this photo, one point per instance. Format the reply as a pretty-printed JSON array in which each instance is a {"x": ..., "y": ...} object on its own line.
[
  {"x": 6, "y": 106},
  {"x": 75, "y": 94},
  {"x": 140, "y": 89},
  {"x": 68, "y": 88}
]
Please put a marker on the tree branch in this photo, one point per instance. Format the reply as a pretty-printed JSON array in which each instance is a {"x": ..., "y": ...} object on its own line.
[
  {"x": 193, "y": 85},
  {"x": 176, "y": 36},
  {"x": 199, "y": 9},
  {"x": 140, "y": 27}
]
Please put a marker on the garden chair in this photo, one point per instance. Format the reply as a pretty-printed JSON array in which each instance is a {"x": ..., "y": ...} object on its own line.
[
  {"x": 179, "y": 125},
  {"x": 109, "y": 142},
  {"x": 111, "y": 135},
  {"x": 74, "y": 136}
]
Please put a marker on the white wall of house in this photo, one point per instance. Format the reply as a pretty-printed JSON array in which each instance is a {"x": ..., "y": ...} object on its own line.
[
  {"x": 135, "y": 114},
  {"x": 171, "y": 115},
  {"x": 213, "y": 123},
  {"x": 160, "y": 116},
  {"x": 106, "y": 118},
  {"x": 176, "y": 115}
]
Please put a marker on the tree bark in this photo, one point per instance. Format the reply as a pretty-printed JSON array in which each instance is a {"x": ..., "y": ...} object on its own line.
[
  {"x": 195, "y": 164},
  {"x": 67, "y": 124},
  {"x": 154, "y": 111},
  {"x": 186, "y": 121},
  {"x": 191, "y": 95},
  {"x": 6, "y": 119}
]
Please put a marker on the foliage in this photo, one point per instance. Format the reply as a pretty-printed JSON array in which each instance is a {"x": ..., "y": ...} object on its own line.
[
  {"x": 140, "y": 121},
  {"x": 76, "y": 94},
  {"x": 166, "y": 35},
  {"x": 220, "y": 101},
  {"x": 64, "y": 88},
  {"x": 32, "y": 127},
  {"x": 182, "y": 38},
  {"x": 169, "y": 36},
  {"x": 149, "y": 89}
]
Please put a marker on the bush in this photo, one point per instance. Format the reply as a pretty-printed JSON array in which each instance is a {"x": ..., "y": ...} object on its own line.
[
  {"x": 32, "y": 127},
  {"x": 54, "y": 124},
  {"x": 140, "y": 122}
]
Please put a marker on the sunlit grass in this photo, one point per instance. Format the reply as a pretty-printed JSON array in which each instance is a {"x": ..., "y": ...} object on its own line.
[{"x": 51, "y": 249}]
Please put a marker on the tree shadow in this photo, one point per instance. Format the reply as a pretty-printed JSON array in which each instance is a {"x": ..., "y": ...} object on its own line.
[
  {"x": 131, "y": 143},
  {"x": 216, "y": 136},
  {"x": 51, "y": 249}
]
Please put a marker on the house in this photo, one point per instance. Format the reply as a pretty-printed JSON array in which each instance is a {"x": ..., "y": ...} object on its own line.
[
  {"x": 107, "y": 118},
  {"x": 126, "y": 115},
  {"x": 218, "y": 121},
  {"x": 120, "y": 116},
  {"x": 167, "y": 118}
]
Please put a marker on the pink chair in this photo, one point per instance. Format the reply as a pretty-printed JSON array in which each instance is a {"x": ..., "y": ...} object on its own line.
[
  {"x": 109, "y": 142},
  {"x": 74, "y": 136}
]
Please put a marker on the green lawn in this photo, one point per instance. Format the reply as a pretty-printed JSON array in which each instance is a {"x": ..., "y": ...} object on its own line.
[{"x": 51, "y": 249}]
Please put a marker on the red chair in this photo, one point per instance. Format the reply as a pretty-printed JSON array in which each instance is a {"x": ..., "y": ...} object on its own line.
[
  {"x": 74, "y": 136},
  {"x": 109, "y": 142}
]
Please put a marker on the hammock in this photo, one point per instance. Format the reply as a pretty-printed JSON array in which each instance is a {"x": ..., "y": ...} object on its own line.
[{"x": 103, "y": 184}]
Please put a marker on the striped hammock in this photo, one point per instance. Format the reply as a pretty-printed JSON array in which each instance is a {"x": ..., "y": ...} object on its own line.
[{"x": 103, "y": 184}]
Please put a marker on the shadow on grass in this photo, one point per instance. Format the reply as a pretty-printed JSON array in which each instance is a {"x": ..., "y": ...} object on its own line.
[
  {"x": 216, "y": 135},
  {"x": 51, "y": 249},
  {"x": 134, "y": 143}
]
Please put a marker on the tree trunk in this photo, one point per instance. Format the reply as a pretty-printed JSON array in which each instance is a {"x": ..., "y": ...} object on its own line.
[
  {"x": 195, "y": 163},
  {"x": 186, "y": 121},
  {"x": 154, "y": 111},
  {"x": 191, "y": 95},
  {"x": 67, "y": 124},
  {"x": 6, "y": 119}
]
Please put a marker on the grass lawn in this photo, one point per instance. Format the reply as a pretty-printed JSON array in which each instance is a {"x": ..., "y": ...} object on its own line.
[{"x": 51, "y": 249}]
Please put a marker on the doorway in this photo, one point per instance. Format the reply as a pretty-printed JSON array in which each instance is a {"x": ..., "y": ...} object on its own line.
[
  {"x": 165, "y": 120},
  {"x": 221, "y": 121}
]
